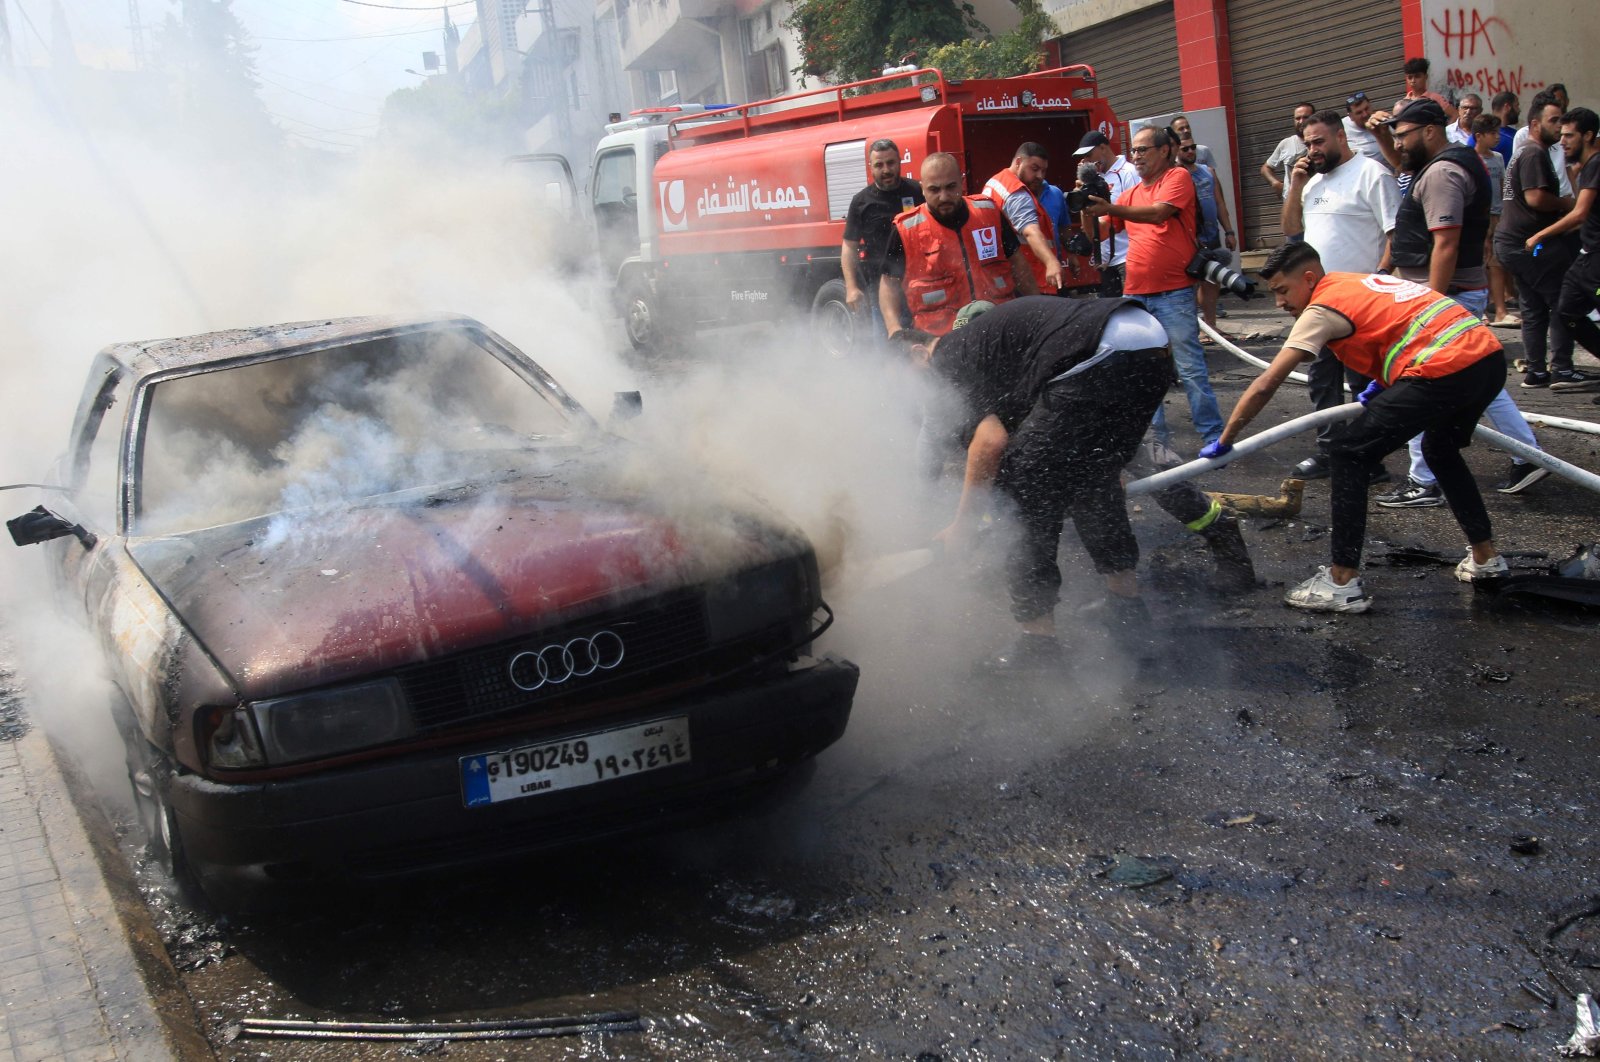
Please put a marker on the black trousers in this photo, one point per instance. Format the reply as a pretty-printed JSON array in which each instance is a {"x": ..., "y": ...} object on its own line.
[
  {"x": 1445, "y": 410},
  {"x": 1326, "y": 380},
  {"x": 1066, "y": 458},
  {"x": 1538, "y": 295},
  {"x": 1580, "y": 294}
]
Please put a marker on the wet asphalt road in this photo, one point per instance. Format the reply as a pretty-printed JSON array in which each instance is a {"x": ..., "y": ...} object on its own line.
[{"x": 1326, "y": 805}]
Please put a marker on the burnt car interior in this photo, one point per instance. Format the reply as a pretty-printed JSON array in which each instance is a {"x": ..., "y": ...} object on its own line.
[{"x": 329, "y": 425}]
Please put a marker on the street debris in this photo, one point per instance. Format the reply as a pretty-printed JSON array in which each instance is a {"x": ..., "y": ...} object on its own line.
[
  {"x": 1524, "y": 844},
  {"x": 1131, "y": 872},
  {"x": 1585, "y": 1041},
  {"x": 436, "y": 1032},
  {"x": 1539, "y": 992},
  {"x": 1229, "y": 819},
  {"x": 1287, "y": 502}
]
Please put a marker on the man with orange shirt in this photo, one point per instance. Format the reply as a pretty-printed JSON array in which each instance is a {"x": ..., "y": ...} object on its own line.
[
  {"x": 1435, "y": 367},
  {"x": 1161, "y": 217}
]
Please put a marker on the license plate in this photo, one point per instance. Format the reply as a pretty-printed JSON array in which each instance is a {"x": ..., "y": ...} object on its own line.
[{"x": 494, "y": 777}]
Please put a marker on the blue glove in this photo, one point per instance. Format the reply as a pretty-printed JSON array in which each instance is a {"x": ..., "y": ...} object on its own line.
[
  {"x": 1216, "y": 449},
  {"x": 1370, "y": 392}
]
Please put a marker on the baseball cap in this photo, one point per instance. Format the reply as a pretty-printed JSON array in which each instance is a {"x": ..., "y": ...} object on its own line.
[
  {"x": 1420, "y": 112},
  {"x": 965, "y": 315},
  {"x": 1091, "y": 140}
]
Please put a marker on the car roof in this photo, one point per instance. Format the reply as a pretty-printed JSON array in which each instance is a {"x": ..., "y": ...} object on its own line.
[{"x": 146, "y": 357}]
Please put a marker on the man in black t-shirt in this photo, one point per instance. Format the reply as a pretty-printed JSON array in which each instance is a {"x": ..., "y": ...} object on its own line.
[
  {"x": 868, "y": 222},
  {"x": 1533, "y": 202},
  {"x": 1054, "y": 396},
  {"x": 1580, "y": 291}
]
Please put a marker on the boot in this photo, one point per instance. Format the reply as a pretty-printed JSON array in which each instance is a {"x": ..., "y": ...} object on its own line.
[
  {"x": 1030, "y": 654},
  {"x": 1234, "y": 574}
]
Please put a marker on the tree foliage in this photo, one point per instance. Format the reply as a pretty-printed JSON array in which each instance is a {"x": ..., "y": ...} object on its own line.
[
  {"x": 851, "y": 40},
  {"x": 443, "y": 114},
  {"x": 211, "y": 61},
  {"x": 1016, "y": 52}
]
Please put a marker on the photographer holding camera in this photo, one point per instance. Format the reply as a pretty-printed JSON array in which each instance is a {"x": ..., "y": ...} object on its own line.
[
  {"x": 1160, "y": 217},
  {"x": 1104, "y": 174}
]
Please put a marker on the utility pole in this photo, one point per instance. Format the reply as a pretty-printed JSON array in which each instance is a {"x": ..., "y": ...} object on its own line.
[
  {"x": 5, "y": 40},
  {"x": 452, "y": 40},
  {"x": 136, "y": 31}
]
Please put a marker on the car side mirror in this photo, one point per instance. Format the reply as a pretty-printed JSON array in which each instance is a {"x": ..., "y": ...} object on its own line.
[
  {"x": 625, "y": 405},
  {"x": 42, "y": 525}
]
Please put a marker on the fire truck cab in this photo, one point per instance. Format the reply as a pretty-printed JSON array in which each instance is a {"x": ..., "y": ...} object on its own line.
[{"x": 713, "y": 216}]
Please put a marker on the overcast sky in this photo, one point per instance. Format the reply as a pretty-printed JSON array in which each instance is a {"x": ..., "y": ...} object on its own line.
[{"x": 325, "y": 65}]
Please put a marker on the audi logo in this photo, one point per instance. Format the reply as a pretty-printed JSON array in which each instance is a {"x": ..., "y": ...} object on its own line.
[{"x": 554, "y": 664}]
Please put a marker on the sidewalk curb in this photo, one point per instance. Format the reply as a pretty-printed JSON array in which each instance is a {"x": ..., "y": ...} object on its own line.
[{"x": 146, "y": 1008}]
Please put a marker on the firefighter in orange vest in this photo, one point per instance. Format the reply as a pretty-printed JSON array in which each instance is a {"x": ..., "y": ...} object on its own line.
[
  {"x": 948, "y": 252},
  {"x": 1016, "y": 192},
  {"x": 1434, "y": 366}
]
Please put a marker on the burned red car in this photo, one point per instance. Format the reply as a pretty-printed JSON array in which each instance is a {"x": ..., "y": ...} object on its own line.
[{"x": 379, "y": 596}]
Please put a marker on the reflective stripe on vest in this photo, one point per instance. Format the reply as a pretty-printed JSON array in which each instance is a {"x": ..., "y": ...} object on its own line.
[
  {"x": 1402, "y": 328},
  {"x": 1002, "y": 186},
  {"x": 943, "y": 269}
]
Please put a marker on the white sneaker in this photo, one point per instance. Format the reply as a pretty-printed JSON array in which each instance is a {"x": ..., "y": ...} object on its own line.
[
  {"x": 1470, "y": 569},
  {"x": 1321, "y": 594}
]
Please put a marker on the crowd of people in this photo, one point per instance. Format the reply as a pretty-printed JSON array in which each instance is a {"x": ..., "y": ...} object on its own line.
[{"x": 1407, "y": 234}]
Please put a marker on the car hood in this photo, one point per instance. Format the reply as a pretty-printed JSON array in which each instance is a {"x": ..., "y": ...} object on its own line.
[{"x": 302, "y": 599}]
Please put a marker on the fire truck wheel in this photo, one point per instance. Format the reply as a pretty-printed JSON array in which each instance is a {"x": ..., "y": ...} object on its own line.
[
  {"x": 833, "y": 327},
  {"x": 642, "y": 316}
]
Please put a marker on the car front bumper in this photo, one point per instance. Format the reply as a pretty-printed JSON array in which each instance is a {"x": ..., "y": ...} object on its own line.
[{"x": 406, "y": 815}]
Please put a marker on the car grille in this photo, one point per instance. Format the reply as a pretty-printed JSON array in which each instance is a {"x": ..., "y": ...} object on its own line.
[{"x": 662, "y": 637}]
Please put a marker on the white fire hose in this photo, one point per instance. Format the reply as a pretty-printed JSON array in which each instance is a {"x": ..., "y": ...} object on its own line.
[
  {"x": 1262, "y": 440},
  {"x": 1541, "y": 419}
]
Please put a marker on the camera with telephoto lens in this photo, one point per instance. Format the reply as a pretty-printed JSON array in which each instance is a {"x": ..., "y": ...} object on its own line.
[
  {"x": 1206, "y": 268},
  {"x": 1093, "y": 185}
]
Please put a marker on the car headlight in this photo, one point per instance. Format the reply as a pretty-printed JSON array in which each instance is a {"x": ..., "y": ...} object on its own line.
[
  {"x": 311, "y": 726},
  {"x": 755, "y": 600}
]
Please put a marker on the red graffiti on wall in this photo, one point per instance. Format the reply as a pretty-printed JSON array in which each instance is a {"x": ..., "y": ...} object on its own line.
[
  {"x": 1466, "y": 30},
  {"x": 1486, "y": 80}
]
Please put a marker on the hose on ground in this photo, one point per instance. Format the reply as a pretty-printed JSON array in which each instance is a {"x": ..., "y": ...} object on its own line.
[
  {"x": 1244, "y": 447},
  {"x": 1541, "y": 419}
]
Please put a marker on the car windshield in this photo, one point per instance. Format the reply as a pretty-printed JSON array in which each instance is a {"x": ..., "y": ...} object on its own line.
[{"x": 330, "y": 426}]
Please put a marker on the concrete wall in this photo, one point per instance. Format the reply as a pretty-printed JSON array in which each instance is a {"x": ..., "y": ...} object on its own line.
[
  {"x": 1073, "y": 15},
  {"x": 1486, "y": 46}
]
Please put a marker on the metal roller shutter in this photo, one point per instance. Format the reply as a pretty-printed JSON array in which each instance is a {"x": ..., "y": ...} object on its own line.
[
  {"x": 1279, "y": 60},
  {"x": 1135, "y": 60}
]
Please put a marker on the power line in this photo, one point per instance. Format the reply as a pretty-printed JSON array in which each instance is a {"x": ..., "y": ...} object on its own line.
[
  {"x": 396, "y": 7},
  {"x": 360, "y": 37},
  {"x": 314, "y": 99},
  {"x": 356, "y": 130}
]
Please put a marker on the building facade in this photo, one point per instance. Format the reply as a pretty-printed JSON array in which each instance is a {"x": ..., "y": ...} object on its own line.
[{"x": 1257, "y": 59}]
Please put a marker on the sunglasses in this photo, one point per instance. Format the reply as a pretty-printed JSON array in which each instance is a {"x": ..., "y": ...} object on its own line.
[{"x": 1352, "y": 100}]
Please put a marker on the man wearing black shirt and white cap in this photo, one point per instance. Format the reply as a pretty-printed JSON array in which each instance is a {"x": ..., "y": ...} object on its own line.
[{"x": 1119, "y": 176}]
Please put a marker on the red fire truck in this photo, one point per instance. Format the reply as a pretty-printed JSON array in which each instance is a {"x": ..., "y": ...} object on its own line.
[{"x": 719, "y": 216}]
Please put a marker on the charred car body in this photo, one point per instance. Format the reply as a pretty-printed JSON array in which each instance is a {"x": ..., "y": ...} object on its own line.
[{"x": 379, "y": 596}]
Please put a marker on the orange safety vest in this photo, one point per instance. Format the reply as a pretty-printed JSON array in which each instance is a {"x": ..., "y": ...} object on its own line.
[
  {"x": 946, "y": 269},
  {"x": 1402, "y": 328},
  {"x": 1002, "y": 186}
]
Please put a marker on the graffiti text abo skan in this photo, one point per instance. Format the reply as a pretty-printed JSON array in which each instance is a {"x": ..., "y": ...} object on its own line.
[{"x": 1469, "y": 37}]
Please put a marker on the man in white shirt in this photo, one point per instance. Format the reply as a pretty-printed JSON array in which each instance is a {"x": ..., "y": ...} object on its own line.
[
  {"x": 1344, "y": 205},
  {"x": 1289, "y": 150},
  {"x": 1364, "y": 133},
  {"x": 1120, "y": 176},
  {"x": 1467, "y": 111}
]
